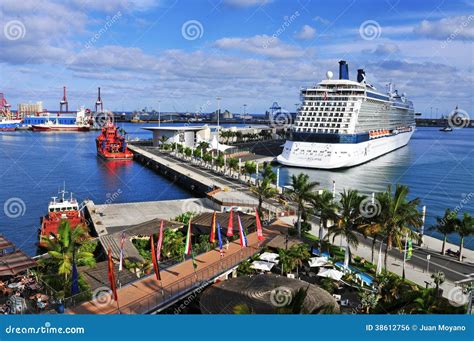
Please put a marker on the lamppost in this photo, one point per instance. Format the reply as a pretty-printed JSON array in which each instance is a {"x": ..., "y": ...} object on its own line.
[
  {"x": 218, "y": 127},
  {"x": 159, "y": 114}
]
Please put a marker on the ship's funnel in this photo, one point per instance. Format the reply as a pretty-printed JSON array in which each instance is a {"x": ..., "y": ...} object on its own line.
[
  {"x": 360, "y": 75},
  {"x": 343, "y": 70}
]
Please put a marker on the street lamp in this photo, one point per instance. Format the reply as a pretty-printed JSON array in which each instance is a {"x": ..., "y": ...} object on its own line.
[
  {"x": 218, "y": 127},
  {"x": 159, "y": 114}
]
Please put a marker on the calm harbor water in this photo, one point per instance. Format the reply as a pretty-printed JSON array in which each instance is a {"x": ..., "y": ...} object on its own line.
[
  {"x": 35, "y": 165},
  {"x": 438, "y": 167}
]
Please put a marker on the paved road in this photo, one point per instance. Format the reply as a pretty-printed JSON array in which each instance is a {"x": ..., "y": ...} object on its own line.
[{"x": 453, "y": 269}]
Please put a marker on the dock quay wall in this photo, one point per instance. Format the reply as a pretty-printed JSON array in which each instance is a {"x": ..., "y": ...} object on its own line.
[{"x": 171, "y": 172}]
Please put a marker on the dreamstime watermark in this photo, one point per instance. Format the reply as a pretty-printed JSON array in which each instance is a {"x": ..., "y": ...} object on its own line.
[
  {"x": 280, "y": 118},
  {"x": 192, "y": 30},
  {"x": 288, "y": 20},
  {"x": 281, "y": 296},
  {"x": 458, "y": 118},
  {"x": 47, "y": 328},
  {"x": 457, "y": 31},
  {"x": 465, "y": 200},
  {"x": 14, "y": 208},
  {"x": 112, "y": 197},
  {"x": 457, "y": 297},
  {"x": 195, "y": 206},
  {"x": 102, "y": 296},
  {"x": 185, "y": 303},
  {"x": 370, "y": 208},
  {"x": 370, "y": 30},
  {"x": 108, "y": 24},
  {"x": 101, "y": 119},
  {"x": 14, "y": 30}
]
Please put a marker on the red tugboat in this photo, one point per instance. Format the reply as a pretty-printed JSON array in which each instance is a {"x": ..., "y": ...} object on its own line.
[
  {"x": 111, "y": 145},
  {"x": 59, "y": 210}
]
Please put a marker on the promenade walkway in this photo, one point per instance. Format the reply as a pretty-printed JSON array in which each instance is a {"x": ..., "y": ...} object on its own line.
[{"x": 148, "y": 294}]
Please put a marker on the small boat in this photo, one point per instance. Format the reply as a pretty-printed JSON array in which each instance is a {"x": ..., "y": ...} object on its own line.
[
  {"x": 60, "y": 209},
  {"x": 446, "y": 129},
  {"x": 7, "y": 124},
  {"x": 111, "y": 145}
]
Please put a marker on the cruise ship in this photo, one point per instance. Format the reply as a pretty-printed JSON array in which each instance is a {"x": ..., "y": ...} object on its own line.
[{"x": 343, "y": 123}]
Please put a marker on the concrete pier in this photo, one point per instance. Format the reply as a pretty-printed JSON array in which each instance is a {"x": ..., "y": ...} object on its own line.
[{"x": 224, "y": 192}]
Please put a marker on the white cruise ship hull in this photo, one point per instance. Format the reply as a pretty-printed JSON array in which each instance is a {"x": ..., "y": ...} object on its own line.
[{"x": 339, "y": 155}]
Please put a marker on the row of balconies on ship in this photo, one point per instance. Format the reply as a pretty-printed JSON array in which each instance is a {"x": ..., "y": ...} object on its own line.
[
  {"x": 322, "y": 119},
  {"x": 320, "y": 109},
  {"x": 323, "y": 125},
  {"x": 326, "y": 131},
  {"x": 329, "y": 104},
  {"x": 323, "y": 114}
]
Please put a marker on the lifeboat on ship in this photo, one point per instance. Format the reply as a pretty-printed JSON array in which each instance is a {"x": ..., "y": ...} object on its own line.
[{"x": 111, "y": 145}]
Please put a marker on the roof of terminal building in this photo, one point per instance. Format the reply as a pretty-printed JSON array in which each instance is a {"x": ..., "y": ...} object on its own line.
[{"x": 180, "y": 128}]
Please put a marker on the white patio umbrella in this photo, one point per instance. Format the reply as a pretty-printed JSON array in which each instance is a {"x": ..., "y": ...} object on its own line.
[
  {"x": 331, "y": 273},
  {"x": 262, "y": 265},
  {"x": 346, "y": 258},
  {"x": 318, "y": 261},
  {"x": 269, "y": 257}
]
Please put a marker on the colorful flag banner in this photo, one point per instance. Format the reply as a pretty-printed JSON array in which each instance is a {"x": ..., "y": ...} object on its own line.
[
  {"x": 122, "y": 242},
  {"x": 410, "y": 249},
  {"x": 219, "y": 235},
  {"x": 111, "y": 275},
  {"x": 160, "y": 242},
  {"x": 187, "y": 246},
  {"x": 230, "y": 224},
  {"x": 259, "y": 225},
  {"x": 75, "y": 279},
  {"x": 212, "y": 238},
  {"x": 153, "y": 259},
  {"x": 243, "y": 237}
]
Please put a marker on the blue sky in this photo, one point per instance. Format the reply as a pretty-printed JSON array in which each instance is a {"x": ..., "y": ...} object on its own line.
[{"x": 184, "y": 53}]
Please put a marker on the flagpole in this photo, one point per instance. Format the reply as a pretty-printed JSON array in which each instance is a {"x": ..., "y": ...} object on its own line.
[{"x": 405, "y": 256}]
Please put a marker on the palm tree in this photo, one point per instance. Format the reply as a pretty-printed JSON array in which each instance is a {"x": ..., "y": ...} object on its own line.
[
  {"x": 250, "y": 167},
  {"x": 287, "y": 260},
  {"x": 233, "y": 164},
  {"x": 438, "y": 279},
  {"x": 64, "y": 248},
  {"x": 349, "y": 219},
  {"x": 302, "y": 192},
  {"x": 162, "y": 140},
  {"x": 173, "y": 243},
  {"x": 398, "y": 217},
  {"x": 426, "y": 303},
  {"x": 465, "y": 228},
  {"x": 300, "y": 254},
  {"x": 268, "y": 173},
  {"x": 446, "y": 225},
  {"x": 326, "y": 207},
  {"x": 264, "y": 190},
  {"x": 203, "y": 145}
]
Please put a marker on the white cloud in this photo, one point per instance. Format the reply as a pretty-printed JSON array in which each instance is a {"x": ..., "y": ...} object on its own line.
[
  {"x": 460, "y": 27},
  {"x": 386, "y": 49},
  {"x": 321, "y": 20},
  {"x": 261, "y": 44},
  {"x": 306, "y": 33},
  {"x": 246, "y": 3}
]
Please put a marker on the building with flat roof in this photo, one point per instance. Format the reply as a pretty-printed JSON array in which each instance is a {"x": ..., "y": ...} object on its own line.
[{"x": 188, "y": 136}]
